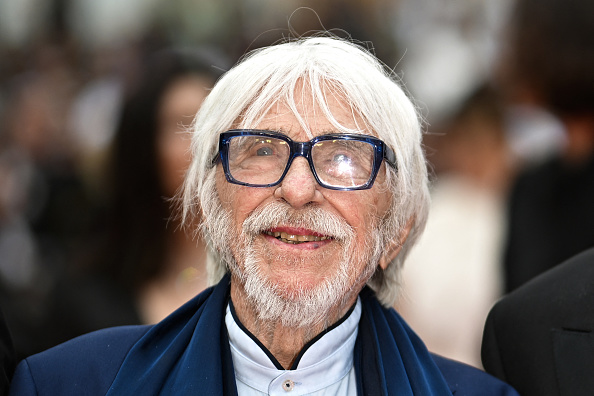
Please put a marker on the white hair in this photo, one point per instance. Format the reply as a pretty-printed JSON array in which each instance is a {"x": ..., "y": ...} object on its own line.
[{"x": 326, "y": 66}]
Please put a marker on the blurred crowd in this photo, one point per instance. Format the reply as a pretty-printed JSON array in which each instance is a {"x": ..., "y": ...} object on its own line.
[{"x": 95, "y": 102}]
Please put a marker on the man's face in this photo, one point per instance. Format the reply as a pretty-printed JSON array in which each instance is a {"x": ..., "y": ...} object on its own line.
[{"x": 336, "y": 231}]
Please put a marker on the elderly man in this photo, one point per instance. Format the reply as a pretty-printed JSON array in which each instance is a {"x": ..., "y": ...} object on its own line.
[{"x": 310, "y": 179}]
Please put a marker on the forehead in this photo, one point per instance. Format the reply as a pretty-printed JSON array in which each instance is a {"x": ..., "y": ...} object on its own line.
[{"x": 308, "y": 116}]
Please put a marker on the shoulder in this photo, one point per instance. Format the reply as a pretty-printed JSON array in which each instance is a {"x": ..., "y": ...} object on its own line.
[
  {"x": 85, "y": 365},
  {"x": 534, "y": 334},
  {"x": 548, "y": 296},
  {"x": 465, "y": 380}
]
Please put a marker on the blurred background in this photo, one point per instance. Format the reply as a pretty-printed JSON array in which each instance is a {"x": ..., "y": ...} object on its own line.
[{"x": 94, "y": 97}]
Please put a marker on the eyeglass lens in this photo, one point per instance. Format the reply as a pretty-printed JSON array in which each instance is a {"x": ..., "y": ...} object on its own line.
[{"x": 262, "y": 160}]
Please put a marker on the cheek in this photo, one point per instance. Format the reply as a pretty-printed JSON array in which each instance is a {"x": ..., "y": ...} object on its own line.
[
  {"x": 382, "y": 204},
  {"x": 363, "y": 209},
  {"x": 364, "y": 213},
  {"x": 223, "y": 188},
  {"x": 228, "y": 197},
  {"x": 237, "y": 200}
]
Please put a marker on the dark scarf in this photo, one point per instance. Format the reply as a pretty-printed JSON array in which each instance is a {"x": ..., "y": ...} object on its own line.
[{"x": 188, "y": 354}]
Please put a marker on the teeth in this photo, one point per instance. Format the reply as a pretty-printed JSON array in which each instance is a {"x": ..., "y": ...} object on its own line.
[{"x": 294, "y": 239}]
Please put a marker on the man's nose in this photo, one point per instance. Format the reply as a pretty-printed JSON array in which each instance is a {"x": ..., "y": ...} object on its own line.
[{"x": 299, "y": 187}]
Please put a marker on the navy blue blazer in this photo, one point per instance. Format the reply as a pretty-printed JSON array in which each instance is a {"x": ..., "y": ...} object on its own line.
[{"x": 146, "y": 360}]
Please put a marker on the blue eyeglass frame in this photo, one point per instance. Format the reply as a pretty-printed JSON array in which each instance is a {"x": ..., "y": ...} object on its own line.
[{"x": 303, "y": 149}]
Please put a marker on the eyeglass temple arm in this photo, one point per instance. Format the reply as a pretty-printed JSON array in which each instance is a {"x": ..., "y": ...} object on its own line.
[
  {"x": 389, "y": 156},
  {"x": 215, "y": 159}
]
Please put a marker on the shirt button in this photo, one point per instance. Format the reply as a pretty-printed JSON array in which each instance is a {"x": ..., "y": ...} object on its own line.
[{"x": 288, "y": 385}]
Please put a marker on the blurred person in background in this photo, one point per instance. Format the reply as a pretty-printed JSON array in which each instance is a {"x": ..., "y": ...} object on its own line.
[
  {"x": 454, "y": 274},
  {"x": 45, "y": 210},
  {"x": 7, "y": 356},
  {"x": 549, "y": 63},
  {"x": 148, "y": 253},
  {"x": 145, "y": 266},
  {"x": 126, "y": 257},
  {"x": 539, "y": 337}
]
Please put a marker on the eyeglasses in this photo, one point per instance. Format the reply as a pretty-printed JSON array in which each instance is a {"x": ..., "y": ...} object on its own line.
[{"x": 259, "y": 158}]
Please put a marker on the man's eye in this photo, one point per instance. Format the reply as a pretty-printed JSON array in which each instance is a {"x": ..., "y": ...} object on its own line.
[
  {"x": 264, "y": 151},
  {"x": 341, "y": 159}
]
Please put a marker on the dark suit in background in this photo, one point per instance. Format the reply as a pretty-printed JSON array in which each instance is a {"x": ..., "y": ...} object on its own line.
[
  {"x": 551, "y": 218},
  {"x": 540, "y": 338},
  {"x": 7, "y": 358}
]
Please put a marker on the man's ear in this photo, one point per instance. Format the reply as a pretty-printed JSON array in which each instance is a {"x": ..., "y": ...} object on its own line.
[{"x": 395, "y": 246}]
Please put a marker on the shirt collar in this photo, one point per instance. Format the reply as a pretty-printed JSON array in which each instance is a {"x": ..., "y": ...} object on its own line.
[{"x": 325, "y": 362}]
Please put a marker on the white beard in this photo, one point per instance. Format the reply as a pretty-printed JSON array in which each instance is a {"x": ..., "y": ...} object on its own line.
[{"x": 302, "y": 307}]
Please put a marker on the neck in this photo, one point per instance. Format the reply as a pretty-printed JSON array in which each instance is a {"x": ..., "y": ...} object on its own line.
[{"x": 283, "y": 342}]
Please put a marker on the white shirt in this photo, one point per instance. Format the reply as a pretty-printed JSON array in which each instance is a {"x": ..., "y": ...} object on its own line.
[{"x": 325, "y": 368}]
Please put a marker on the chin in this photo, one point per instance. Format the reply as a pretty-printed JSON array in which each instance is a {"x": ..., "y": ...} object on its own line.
[{"x": 291, "y": 297}]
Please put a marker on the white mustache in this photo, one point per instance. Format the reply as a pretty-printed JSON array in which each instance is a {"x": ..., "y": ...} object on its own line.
[{"x": 312, "y": 218}]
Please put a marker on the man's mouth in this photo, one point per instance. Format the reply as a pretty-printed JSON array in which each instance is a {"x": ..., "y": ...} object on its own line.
[{"x": 295, "y": 238}]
